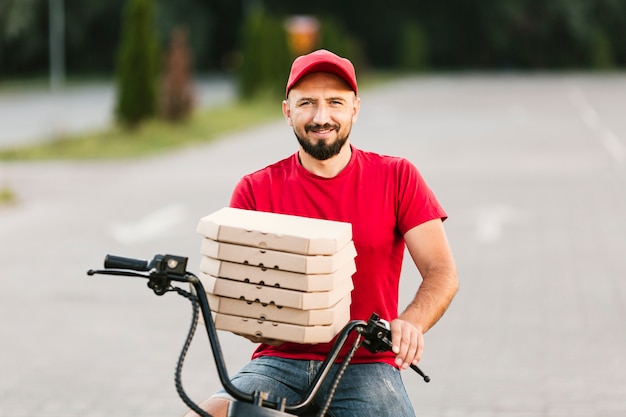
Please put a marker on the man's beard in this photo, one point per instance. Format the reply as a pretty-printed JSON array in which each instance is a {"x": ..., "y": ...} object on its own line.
[{"x": 320, "y": 150}]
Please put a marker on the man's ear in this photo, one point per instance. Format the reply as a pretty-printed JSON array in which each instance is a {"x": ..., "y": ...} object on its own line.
[
  {"x": 356, "y": 108},
  {"x": 287, "y": 112}
]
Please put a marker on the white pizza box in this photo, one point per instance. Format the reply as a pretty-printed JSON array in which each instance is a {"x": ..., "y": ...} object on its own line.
[
  {"x": 279, "y": 331},
  {"x": 272, "y": 295},
  {"x": 278, "y": 278},
  {"x": 281, "y": 232},
  {"x": 272, "y": 312},
  {"x": 285, "y": 261}
]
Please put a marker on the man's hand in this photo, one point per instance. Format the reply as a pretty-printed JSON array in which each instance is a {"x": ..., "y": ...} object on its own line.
[{"x": 407, "y": 343}]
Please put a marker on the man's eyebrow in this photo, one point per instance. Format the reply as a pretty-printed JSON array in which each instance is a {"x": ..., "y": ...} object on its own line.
[
  {"x": 301, "y": 99},
  {"x": 337, "y": 98}
]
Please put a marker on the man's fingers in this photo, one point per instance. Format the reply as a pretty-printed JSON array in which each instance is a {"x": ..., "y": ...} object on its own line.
[{"x": 407, "y": 343}]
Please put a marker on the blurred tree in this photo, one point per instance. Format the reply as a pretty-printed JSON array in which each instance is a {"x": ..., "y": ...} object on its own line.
[
  {"x": 176, "y": 93},
  {"x": 137, "y": 64},
  {"x": 602, "y": 56},
  {"x": 93, "y": 30},
  {"x": 607, "y": 44},
  {"x": 227, "y": 30},
  {"x": 413, "y": 48},
  {"x": 23, "y": 36},
  {"x": 266, "y": 56},
  {"x": 16, "y": 17},
  {"x": 459, "y": 33}
]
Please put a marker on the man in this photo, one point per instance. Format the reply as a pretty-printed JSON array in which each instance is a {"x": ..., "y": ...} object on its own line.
[{"x": 389, "y": 206}]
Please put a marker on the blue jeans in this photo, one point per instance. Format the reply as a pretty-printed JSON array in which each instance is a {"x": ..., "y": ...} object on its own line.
[{"x": 365, "y": 390}]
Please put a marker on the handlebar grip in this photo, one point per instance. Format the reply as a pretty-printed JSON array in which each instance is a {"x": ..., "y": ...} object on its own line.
[{"x": 119, "y": 262}]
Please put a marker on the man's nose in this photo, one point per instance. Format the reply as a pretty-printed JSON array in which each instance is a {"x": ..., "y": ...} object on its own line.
[{"x": 322, "y": 115}]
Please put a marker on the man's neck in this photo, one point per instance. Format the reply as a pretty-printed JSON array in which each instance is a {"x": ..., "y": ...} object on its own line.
[{"x": 330, "y": 167}]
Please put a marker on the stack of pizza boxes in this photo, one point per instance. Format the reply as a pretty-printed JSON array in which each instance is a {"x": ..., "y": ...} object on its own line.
[{"x": 277, "y": 276}]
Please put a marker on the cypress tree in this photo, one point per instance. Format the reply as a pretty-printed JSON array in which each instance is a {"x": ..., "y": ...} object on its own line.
[
  {"x": 137, "y": 66},
  {"x": 266, "y": 57}
]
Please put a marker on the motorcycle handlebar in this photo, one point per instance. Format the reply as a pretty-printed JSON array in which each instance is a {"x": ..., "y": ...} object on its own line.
[
  {"x": 120, "y": 262},
  {"x": 165, "y": 268}
]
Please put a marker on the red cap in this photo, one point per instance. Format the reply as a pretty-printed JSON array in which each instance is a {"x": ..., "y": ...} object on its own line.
[{"x": 322, "y": 61}]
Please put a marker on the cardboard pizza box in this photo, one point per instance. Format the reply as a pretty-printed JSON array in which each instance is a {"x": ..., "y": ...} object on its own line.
[
  {"x": 272, "y": 312},
  {"x": 266, "y": 258},
  {"x": 280, "y": 232},
  {"x": 277, "y": 278},
  {"x": 272, "y": 295},
  {"x": 279, "y": 331}
]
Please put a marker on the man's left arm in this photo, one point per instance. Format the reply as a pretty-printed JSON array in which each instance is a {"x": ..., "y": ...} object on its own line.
[{"x": 428, "y": 245}]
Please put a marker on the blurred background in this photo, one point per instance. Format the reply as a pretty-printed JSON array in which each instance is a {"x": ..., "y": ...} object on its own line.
[
  {"x": 423, "y": 35},
  {"x": 123, "y": 122}
]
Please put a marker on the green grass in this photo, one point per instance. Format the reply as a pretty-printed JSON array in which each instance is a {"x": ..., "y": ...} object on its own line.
[
  {"x": 7, "y": 196},
  {"x": 157, "y": 136}
]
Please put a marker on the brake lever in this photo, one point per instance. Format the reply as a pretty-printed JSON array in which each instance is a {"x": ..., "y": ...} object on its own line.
[
  {"x": 377, "y": 338},
  {"x": 119, "y": 272}
]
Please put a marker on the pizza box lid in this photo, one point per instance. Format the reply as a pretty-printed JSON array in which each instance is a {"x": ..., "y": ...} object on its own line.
[{"x": 282, "y": 232}]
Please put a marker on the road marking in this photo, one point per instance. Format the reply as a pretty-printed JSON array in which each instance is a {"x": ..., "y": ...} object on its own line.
[
  {"x": 611, "y": 142},
  {"x": 149, "y": 227}
]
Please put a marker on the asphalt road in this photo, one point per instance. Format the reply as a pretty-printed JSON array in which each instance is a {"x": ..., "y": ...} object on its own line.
[{"x": 531, "y": 169}]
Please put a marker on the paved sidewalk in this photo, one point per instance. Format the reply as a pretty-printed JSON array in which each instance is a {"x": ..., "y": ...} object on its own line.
[{"x": 529, "y": 169}]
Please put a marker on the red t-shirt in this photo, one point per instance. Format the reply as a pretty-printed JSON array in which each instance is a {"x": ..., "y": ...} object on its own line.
[{"x": 381, "y": 196}]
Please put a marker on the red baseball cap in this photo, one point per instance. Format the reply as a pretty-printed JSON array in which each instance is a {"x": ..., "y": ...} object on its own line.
[{"x": 322, "y": 61}]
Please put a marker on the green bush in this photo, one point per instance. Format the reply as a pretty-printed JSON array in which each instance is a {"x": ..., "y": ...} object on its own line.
[
  {"x": 602, "y": 55},
  {"x": 413, "y": 53},
  {"x": 266, "y": 57},
  {"x": 137, "y": 66},
  {"x": 7, "y": 196}
]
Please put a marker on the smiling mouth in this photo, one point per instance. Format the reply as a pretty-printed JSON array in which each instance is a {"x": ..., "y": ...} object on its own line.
[{"x": 327, "y": 128}]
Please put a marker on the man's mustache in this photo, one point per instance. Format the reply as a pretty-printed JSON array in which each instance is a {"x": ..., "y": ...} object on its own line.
[{"x": 317, "y": 127}]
